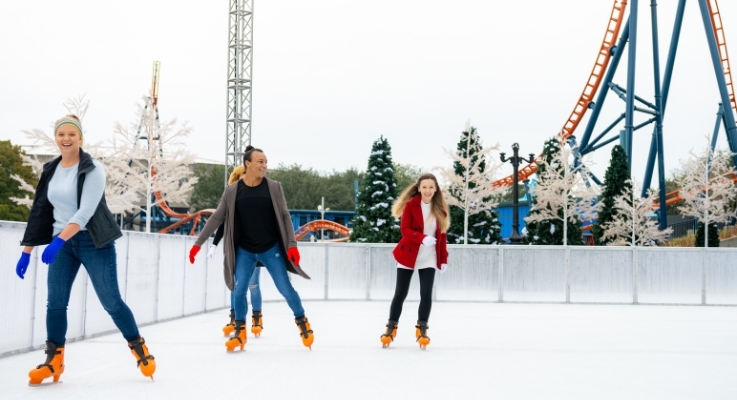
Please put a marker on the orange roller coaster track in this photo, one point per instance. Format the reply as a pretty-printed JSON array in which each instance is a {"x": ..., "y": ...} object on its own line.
[
  {"x": 592, "y": 85},
  {"x": 316, "y": 225}
]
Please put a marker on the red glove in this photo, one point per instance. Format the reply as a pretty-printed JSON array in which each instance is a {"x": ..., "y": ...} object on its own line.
[
  {"x": 293, "y": 255},
  {"x": 193, "y": 252}
]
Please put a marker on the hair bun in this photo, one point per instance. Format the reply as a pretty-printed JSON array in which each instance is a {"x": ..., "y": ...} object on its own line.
[{"x": 249, "y": 147}]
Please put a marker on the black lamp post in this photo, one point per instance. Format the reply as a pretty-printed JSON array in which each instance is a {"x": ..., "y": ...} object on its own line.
[{"x": 516, "y": 160}]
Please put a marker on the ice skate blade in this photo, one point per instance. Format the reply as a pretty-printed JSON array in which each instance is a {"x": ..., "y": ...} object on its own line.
[{"x": 44, "y": 384}]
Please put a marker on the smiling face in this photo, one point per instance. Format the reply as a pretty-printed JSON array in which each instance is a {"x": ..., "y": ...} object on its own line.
[
  {"x": 427, "y": 189},
  {"x": 68, "y": 139},
  {"x": 256, "y": 168}
]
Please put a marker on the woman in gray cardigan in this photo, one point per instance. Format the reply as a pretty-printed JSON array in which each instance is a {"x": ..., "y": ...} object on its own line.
[{"x": 258, "y": 228}]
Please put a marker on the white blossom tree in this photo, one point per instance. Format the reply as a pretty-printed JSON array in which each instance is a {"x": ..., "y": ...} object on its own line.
[
  {"x": 469, "y": 185},
  {"x": 118, "y": 200},
  {"x": 706, "y": 186},
  {"x": 157, "y": 158},
  {"x": 634, "y": 224},
  {"x": 562, "y": 193}
]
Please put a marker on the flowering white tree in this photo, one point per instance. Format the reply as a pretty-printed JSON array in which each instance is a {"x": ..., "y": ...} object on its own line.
[
  {"x": 707, "y": 187},
  {"x": 634, "y": 224},
  {"x": 562, "y": 193},
  {"x": 118, "y": 200},
  {"x": 469, "y": 186},
  {"x": 157, "y": 158}
]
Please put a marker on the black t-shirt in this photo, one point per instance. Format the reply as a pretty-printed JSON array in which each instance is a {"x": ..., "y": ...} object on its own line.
[{"x": 255, "y": 216}]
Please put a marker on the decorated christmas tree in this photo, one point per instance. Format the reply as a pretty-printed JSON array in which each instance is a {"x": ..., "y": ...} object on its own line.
[
  {"x": 373, "y": 222},
  {"x": 616, "y": 182},
  {"x": 470, "y": 191}
]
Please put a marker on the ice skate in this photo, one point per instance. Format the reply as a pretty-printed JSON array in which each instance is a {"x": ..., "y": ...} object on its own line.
[
  {"x": 305, "y": 331},
  {"x": 421, "y": 333},
  {"x": 239, "y": 337},
  {"x": 144, "y": 360},
  {"x": 230, "y": 326},
  {"x": 257, "y": 323},
  {"x": 391, "y": 332},
  {"x": 53, "y": 367}
]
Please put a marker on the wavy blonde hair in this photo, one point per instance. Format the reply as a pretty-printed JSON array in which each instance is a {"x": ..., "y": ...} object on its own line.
[
  {"x": 236, "y": 174},
  {"x": 439, "y": 206}
]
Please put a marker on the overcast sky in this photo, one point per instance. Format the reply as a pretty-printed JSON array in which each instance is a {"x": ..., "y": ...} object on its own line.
[{"x": 331, "y": 76}]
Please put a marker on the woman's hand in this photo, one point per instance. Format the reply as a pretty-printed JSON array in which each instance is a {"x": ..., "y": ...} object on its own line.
[
  {"x": 193, "y": 252},
  {"x": 293, "y": 255},
  {"x": 50, "y": 252},
  {"x": 211, "y": 252},
  {"x": 22, "y": 266},
  {"x": 429, "y": 241}
]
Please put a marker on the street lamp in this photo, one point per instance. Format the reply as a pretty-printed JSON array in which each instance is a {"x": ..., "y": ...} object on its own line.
[
  {"x": 321, "y": 208},
  {"x": 515, "y": 160}
]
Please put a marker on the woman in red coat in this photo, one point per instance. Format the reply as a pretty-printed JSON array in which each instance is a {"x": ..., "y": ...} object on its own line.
[{"x": 424, "y": 224}]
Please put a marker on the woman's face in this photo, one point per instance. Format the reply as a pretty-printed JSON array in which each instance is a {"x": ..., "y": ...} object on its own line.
[
  {"x": 68, "y": 140},
  {"x": 258, "y": 164},
  {"x": 427, "y": 190}
]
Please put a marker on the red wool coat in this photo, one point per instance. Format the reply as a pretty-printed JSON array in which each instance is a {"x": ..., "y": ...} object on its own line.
[{"x": 412, "y": 226}]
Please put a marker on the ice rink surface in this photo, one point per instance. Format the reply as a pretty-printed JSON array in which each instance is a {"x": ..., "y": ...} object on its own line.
[{"x": 478, "y": 351}]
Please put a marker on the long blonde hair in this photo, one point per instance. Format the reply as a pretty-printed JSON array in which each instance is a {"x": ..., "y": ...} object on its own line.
[
  {"x": 439, "y": 206},
  {"x": 236, "y": 174}
]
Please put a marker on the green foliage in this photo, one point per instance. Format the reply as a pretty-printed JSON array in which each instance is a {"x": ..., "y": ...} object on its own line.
[
  {"x": 615, "y": 182},
  {"x": 209, "y": 187},
  {"x": 304, "y": 188},
  {"x": 407, "y": 174},
  {"x": 373, "y": 222},
  {"x": 11, "y": 163},
  {"x": 483, "y": 227},
  {"x": 550, "y": 232},
  {"x": 713, "y": 235}
]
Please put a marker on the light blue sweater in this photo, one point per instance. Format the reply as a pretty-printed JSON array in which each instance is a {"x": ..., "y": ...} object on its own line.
[{"x": 62, "y": 194}]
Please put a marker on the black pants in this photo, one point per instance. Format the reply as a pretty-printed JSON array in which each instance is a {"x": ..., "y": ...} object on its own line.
[{"x": 404, "y": 276}]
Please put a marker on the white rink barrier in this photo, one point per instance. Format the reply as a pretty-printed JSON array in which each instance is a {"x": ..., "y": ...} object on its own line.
[{"x": 159, "y": 284}]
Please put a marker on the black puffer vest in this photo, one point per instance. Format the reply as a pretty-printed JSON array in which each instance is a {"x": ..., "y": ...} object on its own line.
[{"x": 102, "y": 227}]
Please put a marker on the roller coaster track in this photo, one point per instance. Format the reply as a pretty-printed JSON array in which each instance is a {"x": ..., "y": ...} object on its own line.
[
  {"x": 716, "y": 23},
  {"x": 316, "y": 225},
  {"x": 592, "y": 85}
]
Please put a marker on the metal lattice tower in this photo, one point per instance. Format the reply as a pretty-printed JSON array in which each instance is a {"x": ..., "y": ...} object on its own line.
[{"x": 240, "y": 67}]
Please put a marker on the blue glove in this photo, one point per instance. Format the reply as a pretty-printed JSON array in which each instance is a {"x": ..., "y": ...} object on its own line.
[
  {"x": 22, "y": 266},
  {"x": 48, "y": 255}
]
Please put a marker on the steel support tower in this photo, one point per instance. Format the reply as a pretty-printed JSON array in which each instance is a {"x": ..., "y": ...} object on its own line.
[{"x": 240, "y": 68}]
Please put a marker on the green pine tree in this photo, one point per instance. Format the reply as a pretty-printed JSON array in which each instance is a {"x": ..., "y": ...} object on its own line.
[
  {"x": 616, "y": 180},
  {"x": 374, "y": 222},
  {"x": 483, "y": 227},
  {"x": 713, "y": 235},
  {"x": 11, "y": 162},
  {"x": 550, "y": 232}
]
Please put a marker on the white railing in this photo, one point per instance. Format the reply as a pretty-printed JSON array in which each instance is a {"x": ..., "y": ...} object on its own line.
[{"x": 158, "y": 283}]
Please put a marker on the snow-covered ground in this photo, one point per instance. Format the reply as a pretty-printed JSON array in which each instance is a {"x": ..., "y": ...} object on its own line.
[{"x": 478, "y": 351}]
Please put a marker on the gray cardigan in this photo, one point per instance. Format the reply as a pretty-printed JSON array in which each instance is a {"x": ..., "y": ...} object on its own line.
[{"x": 226, "y": 212}]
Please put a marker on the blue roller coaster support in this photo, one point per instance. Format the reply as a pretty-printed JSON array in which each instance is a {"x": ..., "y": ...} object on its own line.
[
  {"x": 662, "y": 215},
  {"x": 729, "y": 123},
  {"x": 667, "y": 76},
  {"x": 631, "y": 58},
  {"x": 601, "y": 97}
]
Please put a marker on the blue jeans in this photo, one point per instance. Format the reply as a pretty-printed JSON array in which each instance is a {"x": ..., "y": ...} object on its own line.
[
  {"x": 245, "y": 263},
  {"x": 101, "y": 266},
  {"x": 255, "y": 290}
]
